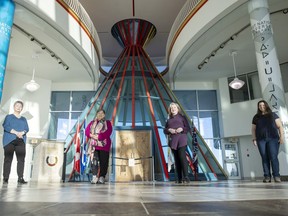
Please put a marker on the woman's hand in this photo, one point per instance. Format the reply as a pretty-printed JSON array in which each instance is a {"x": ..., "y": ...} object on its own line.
[
  {"x": 281, "y": 140},
  {"x": 19, "y": 134},
  {"x": 179, "y": 130},
  {"x": 172, "y": 131},
  {"x": 94, "y": 136}
]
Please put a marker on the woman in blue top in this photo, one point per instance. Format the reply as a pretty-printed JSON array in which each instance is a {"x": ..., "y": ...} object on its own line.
[
  {"x": 267, "y": 134},
  {"x": 14, "y": 139}
]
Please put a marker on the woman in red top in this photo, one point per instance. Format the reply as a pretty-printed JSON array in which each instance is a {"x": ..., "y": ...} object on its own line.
[{"x": 99, "y": 131}]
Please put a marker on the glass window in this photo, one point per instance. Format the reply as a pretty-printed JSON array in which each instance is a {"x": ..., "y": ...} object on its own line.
[
  {"x": 66, "y": 107},
  {"x": 80, "y": 100},
  {"x": 205, "y": 117},
  {"x": 187, "y": 99},
  {"x": 207, "y": 100},
  {"x": 59, "y": 125},
  {"x": 194, "y": 118},
  {"x": 254, "y": 86},
  {"x": 284, "y": 74},
  {"x": 209, "y": 124},
  {"x": 60, "y": 101}
]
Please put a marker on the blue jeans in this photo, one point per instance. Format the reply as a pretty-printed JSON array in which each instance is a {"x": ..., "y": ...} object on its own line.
[{"x": 269, "y": 149}]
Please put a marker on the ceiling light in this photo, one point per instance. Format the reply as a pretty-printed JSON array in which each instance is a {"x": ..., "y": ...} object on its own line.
[
  {"x": 32, "y": 85},
  {"x": 236, "y": 83}
]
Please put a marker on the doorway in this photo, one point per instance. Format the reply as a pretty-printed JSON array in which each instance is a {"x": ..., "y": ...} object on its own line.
[{"x": 231, "y": 160}]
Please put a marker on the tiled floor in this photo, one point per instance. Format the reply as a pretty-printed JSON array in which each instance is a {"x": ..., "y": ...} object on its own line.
[{"x": 161, "y": 198}]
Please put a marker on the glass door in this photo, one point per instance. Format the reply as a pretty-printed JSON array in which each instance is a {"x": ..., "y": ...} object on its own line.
[{"x": 231, "y": 160}]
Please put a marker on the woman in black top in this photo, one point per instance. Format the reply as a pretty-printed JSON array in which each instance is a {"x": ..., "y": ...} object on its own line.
[{"x": 267, "y": 133}]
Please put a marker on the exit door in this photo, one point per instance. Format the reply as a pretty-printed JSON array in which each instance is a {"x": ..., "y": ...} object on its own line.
[{"x": 231, "y": 160}]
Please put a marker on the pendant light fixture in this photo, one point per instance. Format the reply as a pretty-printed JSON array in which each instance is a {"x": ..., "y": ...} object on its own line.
[
  {"x": 32, "y": 86},
  {"x": 236, "y": 83}
]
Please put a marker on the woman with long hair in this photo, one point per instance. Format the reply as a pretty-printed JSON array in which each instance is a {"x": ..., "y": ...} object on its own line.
[
  {"x": 267, "y": 135},
  {"x": 177, "y": 128}
]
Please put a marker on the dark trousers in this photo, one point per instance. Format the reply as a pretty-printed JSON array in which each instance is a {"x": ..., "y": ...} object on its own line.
[
  {"x": 181, "y": 162},
  {"x": 100, "y": 160},
  {"x": 17, "y": 146}
]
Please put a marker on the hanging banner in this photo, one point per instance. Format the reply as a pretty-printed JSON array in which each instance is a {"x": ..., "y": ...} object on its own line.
[
  {"x": 7, "y": 8},
  {"x": 268, "y": 63}
]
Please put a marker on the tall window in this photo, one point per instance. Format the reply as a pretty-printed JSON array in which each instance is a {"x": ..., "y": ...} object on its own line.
[{"x": 65, "y": 107}]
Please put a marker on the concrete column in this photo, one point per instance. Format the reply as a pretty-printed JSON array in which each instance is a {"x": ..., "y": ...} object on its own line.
[
  {"x": 7, "y": 8},
  {"x": 267, "y": 62}
]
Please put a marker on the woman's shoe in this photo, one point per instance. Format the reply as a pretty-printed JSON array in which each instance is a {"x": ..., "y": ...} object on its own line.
[
  {"x": 94, "y": 180},
  {"x": 267, "y": 179},
  {"x": 101, "y": 180},
  {"x": 186, "y": 179},
  {"x": 277, "y": 179},
  {"x": 22, "y": 181}
]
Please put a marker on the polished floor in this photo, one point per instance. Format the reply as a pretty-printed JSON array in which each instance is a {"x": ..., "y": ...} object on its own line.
[{"x": 150, "y": 198}]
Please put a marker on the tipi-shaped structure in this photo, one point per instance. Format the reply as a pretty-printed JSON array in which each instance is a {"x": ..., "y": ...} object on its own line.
[{"x": 136, "y": 99}]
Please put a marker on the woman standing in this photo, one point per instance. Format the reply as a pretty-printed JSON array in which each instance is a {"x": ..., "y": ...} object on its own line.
[
  {"x": 267, "y": 134},
  {"x": 14, "y": 140},
  {"x": 177, "y": 128},
  {"x": 98, "y": 131}
]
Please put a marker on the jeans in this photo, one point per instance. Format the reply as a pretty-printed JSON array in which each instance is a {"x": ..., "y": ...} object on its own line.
[{"x": 269, "y": 149}]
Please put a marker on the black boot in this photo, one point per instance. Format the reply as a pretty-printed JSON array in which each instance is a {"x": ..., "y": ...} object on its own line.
[
  {"x": 5, "y": 181},
  {"x": 21, "y": 181}
]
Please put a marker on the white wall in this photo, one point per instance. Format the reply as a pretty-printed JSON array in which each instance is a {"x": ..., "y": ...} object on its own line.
[
  {"x": 237, "y": 117},
  {"x": 195, "y": 85},
  {"x": 73, "y": 86},
  {"x": 250, "y": 159}
]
